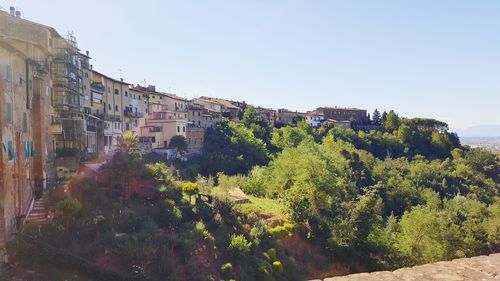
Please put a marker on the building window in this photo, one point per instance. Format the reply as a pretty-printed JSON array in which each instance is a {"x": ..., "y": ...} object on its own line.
[
  {"x": 8, "y": 72},
  {"x": 25, "y": 123},
  {"x": 109, "y": 106},
  {"x": 86, "y": 75},
  {"x": 183, "y": 129},
  {"x": 10, "y": 150},
  {"x": 178, "y": 129},
  {"x": 109, "y": 90},
  {"x": 116, "y": 107},
  {"x": 117, "y": 92},
  {"x": 126, "y": 93},
  {"x": 9, "y": 113}
]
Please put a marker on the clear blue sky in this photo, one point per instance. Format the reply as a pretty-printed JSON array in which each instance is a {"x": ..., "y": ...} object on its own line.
[{"x": 429, "y": 58}]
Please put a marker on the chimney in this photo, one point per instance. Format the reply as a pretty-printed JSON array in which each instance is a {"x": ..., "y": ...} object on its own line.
[
  {"x": 87, "y": 52},
  {"x": 18, "y": 14},
  {"x": 12, "y": 11}
]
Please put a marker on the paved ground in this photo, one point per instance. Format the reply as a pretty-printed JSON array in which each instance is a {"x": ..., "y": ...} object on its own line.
[{"x": 476, "y": 268}]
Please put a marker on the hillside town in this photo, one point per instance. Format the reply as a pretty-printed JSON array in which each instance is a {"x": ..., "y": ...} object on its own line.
[{"x": 58, "y": 111}]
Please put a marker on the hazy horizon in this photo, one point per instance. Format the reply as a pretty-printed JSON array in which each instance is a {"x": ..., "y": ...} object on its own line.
[{"x": 420, "y": 58}]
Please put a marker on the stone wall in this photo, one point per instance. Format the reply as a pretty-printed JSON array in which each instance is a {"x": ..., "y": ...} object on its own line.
[{"x": 476, "y": 268}]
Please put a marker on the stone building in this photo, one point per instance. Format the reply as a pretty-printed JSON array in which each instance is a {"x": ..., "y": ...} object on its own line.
[
  {"x": 342, "y": 114},
  {"x": 26, "y": 116},
  {"x": 268, "y": 113},
  {"x": 285, "y": 116},
  {"x": 18, "y": 151},
  {"x": 194, "y": 138}
]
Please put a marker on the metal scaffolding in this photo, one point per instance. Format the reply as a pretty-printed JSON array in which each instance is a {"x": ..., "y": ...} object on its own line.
[{"x": 67, "y": 94}]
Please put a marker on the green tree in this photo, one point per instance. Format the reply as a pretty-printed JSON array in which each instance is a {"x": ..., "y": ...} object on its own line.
[
  {"x": 376, "y": 117},
  {"x": 426, "y": 236},
  {"x": 180, "y": 144},
  {"x": 125, "y": 166},
  {"x": 392, "y": 121}
]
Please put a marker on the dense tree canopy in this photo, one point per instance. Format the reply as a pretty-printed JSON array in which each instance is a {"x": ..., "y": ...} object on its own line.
[{"x": 406, "y": 194}]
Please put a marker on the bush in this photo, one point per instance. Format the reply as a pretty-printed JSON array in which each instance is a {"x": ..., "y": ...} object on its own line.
[
  {"x": 258, "y": 233},
  {"x": 281, "y": 231},
  {"x": 222, "y": 205},
  {"x": 271, "y": 253},
  {"x": 200, "y": 232},
  {"x": 191, "y": 171},
  {"x": 167, "y": 214},
  {"x": 69, "y": 207},
  {"x": 239, "y": 246},
  {"x": 226, "y": 271},
  {"x": 277, "y": 268}
]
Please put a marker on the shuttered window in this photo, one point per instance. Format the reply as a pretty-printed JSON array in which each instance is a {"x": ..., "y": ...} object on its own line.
[
  {"x": 11, "y": 152},
  {"x": 8, "y": 112}
]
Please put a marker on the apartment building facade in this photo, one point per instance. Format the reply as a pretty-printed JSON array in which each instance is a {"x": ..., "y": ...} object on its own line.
[
  {"x": 314, "y": 118},
  {"x": 114, "y": 97}
]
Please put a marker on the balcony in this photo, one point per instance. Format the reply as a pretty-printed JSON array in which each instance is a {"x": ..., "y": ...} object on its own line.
[
  {"x": 114, "y": 118},
  {"x": 129, "y": 113},
  {"x": 91, "y": 128},
  {"x": 98, "y": 88},
  {"x": 56, "y": 128}
]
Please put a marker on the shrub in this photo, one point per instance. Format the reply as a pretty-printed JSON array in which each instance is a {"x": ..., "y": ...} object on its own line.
[
  {"x": 222, "y": 205},
  {"x": 69, "y": 207},
  {"x": 277, "y": 268},
  {"x": 167, "y": 214},
  {"x": 258, "y": 233},
  {"x": 191, "y": 171},
  {"x": 200, "y": 232},
  {"x": 281, "y": 231},
  {"x": 271, "y": 253},
  {"x": 239, "y": 246},
  {"x": 226, "y": 271}
]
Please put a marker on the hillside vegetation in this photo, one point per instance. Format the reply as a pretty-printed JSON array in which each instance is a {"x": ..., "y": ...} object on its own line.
[{"x": 406, "y": 194}]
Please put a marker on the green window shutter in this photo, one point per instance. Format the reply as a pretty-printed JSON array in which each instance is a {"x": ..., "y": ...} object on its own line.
[{"x": 10, "y": 150}]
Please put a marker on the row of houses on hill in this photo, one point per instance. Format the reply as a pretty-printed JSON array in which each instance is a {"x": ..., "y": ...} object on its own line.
[{"x": 55, "y": 108}]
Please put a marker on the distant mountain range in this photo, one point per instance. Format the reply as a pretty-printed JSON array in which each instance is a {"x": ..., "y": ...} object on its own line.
[{"x": 479, "y": 131}]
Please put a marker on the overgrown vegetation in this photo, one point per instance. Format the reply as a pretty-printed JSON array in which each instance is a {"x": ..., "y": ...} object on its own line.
[{"x": 405, "y": 194}]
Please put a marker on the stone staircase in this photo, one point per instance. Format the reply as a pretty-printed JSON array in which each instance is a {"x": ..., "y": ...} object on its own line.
[{"x": 39, "y": 213}]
